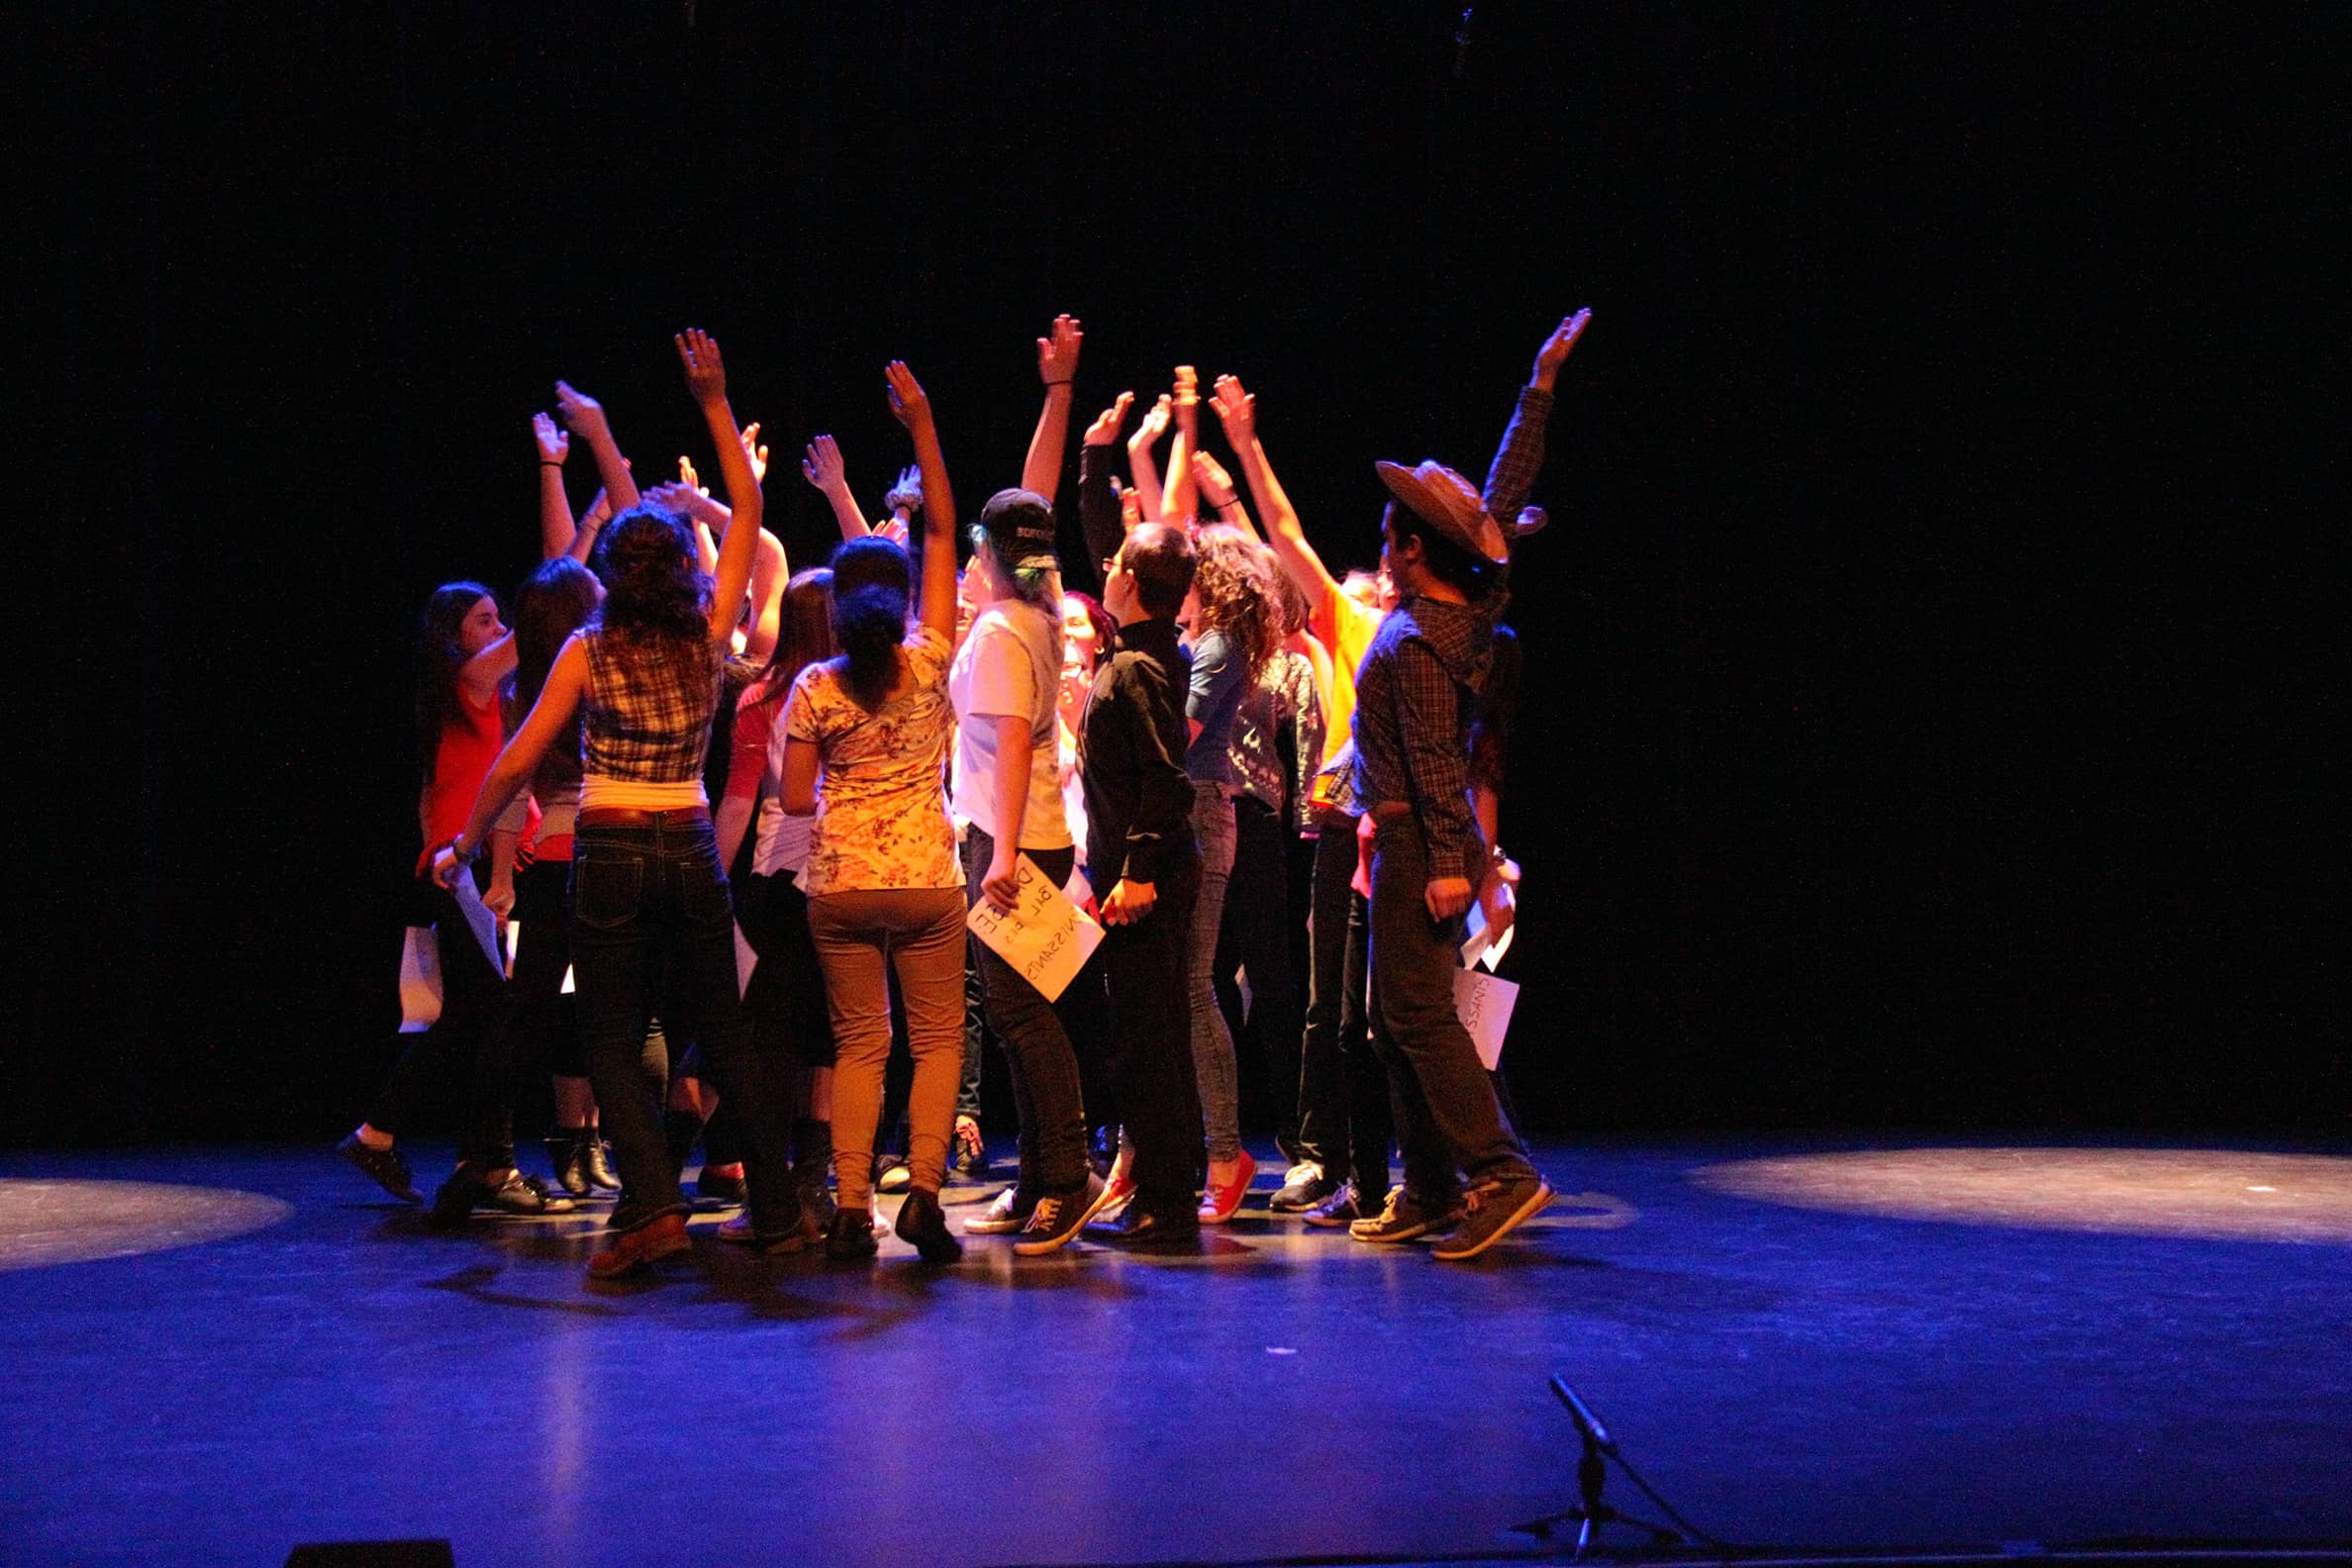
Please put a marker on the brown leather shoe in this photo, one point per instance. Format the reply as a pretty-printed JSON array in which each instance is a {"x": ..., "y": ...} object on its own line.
[{"x": 632, "y": 1251}]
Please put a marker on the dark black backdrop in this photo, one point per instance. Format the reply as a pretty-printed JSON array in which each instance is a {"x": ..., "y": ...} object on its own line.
[{"x": 1932, "y": 654}]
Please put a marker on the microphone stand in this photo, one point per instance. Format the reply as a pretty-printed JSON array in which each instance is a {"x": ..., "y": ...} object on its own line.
[{"x": 1591, "y": 1472}]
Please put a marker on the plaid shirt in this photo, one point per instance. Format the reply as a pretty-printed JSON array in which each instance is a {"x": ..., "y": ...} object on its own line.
[
  {"x": 1414, "y": 696},
  {"x": 1518, "y": 458},
  {"x": 649, "y": 719}
]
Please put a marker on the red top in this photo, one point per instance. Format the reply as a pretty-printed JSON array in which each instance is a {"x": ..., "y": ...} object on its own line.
[
  {"x": 755, "y": 726},
  {"x": 460, "y": 764}
]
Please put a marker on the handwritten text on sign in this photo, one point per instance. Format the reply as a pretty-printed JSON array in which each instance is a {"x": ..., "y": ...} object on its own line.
[{"x": 1045, "y": 938}]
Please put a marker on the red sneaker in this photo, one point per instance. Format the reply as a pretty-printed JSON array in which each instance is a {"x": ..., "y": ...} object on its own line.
[{"x": 1222, "y": 1199}]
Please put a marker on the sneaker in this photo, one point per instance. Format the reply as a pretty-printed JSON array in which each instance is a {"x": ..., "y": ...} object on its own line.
[
  {"x": 1220, "y": 1203},
  {"x": 1304, "y": 1186},
  {"x": 922, "y": 1226},
  {"x": 1010, "y": 1213},
  {"x": 739, "y": 1232},
  {"x": 897, "y": 1176},
  {"x": 851, "y": 1237},
  {"x": 1340, "y": 1208},
  {"x": 967, "y": 1152},
  {"x": 1490, "y": 1211},
  {"x": 1058, "y": 1217},
  {"x": 388, "y": 1168},
  {"x": 1402, "y": 1219}
]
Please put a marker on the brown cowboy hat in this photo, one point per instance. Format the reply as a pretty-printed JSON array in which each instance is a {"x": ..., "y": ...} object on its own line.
[{"x": 1451, "y": 504}]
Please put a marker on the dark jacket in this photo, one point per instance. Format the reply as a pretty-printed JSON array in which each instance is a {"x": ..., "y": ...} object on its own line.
[{"x": 1131, "y": 760}]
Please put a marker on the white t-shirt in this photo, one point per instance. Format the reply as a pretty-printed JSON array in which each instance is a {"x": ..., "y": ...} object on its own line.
[{"x": 1008, "y": 668}]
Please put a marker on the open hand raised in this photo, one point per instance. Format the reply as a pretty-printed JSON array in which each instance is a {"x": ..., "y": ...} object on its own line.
[
  {"x": 1236, "y": 410},
  {"x": 582, "y": 414},
  {"x": 822, "y": 466},
  {"x": 554, "y": 443},
  {"x": 907, "y": 399},
  {"x": 706, "y": 372},
  {"x": 1105, "y": 429},
  {"x": 1554, "y": 352},
  {"x": 1057, "y": 357}
]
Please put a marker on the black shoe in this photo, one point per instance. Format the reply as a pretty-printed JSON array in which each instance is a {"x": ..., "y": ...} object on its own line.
[
  {"x": 1102, "y": 1149},
  {"x": 923, "y": 1226},
  {"x": 1059, "y": 1216},
  {"x": 568, "y": 1154},
  {"x": 720, "y": 1187},
  {"x": 518, "y": 1193},
  {"x": 386, "y": 1167},
  {"x": 600, "y": 1163},
  {"x": 851, "y": 1237},
  {"x": 1340, "y": 1208},
  {"x": 1139, "y": 1227},
  {"x": 1304, "y": 1186},
  {"x": 1008, "y": 1212}
]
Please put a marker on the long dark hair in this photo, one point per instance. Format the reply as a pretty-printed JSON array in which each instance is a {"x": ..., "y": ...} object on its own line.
[
  {"x": 553, "y": 602},
  {"x": 806, "y": 637},
  {"x": 440, "y": 657},
  {"x": 869, "y": 615},
  {"x": 657, "y": 599}
]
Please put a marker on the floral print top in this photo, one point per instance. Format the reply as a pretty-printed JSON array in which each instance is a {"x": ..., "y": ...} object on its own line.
[{"x": 881, "y": 807}]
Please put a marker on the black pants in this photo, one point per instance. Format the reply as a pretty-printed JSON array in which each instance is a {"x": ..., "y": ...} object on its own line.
[
  {"x": 1346, "y": 1121},
  {"x": 1036, "y": 1042},
  {"x": 473, "y": 1042},
  {"x": 1254, "y": 936},
  {"x": 547, "y": 1021},
  {"x": 1447, "y": 1112},
  {"x": 1146, "y": 972}
]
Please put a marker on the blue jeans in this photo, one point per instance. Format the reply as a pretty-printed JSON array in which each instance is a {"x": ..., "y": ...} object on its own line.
[{"x": 652, "y": 933}]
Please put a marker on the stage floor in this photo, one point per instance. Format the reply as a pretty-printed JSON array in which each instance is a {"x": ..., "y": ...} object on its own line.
[{"x": 1873, "y": 1342}]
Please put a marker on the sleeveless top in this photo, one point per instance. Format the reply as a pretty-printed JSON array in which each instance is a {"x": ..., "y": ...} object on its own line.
[{"x": 646, "y": 720}]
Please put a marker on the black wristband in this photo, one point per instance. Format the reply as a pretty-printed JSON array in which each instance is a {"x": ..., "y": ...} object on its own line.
[{"x": 551, "y": 462}]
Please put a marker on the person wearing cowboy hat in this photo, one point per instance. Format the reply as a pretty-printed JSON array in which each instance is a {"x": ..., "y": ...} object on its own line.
[{"x": 1416, "y": 695}]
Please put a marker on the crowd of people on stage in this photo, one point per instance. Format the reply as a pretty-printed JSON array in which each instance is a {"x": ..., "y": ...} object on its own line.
[{"x": 679, "y": 738}]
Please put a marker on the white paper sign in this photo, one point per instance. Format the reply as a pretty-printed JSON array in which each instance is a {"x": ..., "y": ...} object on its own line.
[
  {"x": 478, "y": 920},
  {"x": 746, "y": 961},
  {"x": 1483, "y": 1005},
  {"x": 1476, "y": 949},
  {"x": 419, "y": 980},
  {"x": 1045, "y": 938}
]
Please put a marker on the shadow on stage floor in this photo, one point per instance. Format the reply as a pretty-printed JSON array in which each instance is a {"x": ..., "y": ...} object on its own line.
[{"x": 215, "y": 1354}]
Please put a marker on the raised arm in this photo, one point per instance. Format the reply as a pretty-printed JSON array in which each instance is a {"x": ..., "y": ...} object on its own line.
[
  {"x": 1181, "y": 499},
  {"x": 1098, "y": 507},
  {"x": 936, "y": 606},
  {"x": 1520, "y": 456},
  {"x": 1236, "y": 409},
  {"x": 1057, "y": 367},
  {"x": 706, "y": 380},
  {"x": 1141, "y": 463},
  {"x": 556, "y": 530},
  {"x": 822, "y": 466},
  {"x": 585, "y": 418},
  {"x": 592, "y": 522},
  {"x": 1218, "y": 494}
]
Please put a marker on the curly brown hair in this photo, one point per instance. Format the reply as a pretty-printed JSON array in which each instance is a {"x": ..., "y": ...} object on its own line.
[{"x": 1235, "y": 590}]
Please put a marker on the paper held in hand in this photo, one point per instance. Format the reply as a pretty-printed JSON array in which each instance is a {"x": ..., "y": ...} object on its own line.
[
  {"x": 1484, "y": 1004},
  {"x": 1046, "y": 937}
]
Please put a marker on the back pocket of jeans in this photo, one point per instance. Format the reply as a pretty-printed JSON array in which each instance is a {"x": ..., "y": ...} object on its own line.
[{"x": 606, "y": 889}]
